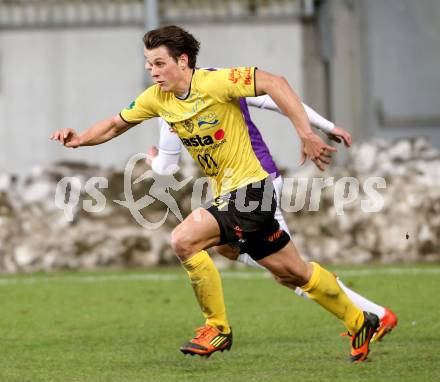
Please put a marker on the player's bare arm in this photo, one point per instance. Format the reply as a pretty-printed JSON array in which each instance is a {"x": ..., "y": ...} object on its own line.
[
  {"x": 99, "y": 133},
  {"x": 335, "y": 133},
  {"x": 313, "y": 147}
]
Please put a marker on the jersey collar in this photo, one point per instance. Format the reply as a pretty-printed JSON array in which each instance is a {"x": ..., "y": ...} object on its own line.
[{"x": 185, "y": 95}]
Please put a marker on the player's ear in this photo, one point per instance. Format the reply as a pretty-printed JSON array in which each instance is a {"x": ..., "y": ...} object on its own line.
[{"x": 183, "y": 61}]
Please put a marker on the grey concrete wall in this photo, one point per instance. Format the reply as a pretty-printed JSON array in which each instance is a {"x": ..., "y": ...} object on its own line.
[
  {"x": 72, "y": 78},
  {"x": 384, "y": 68},
  {"x": 66, "y": 78},
  {"x": 401, "y": 56},
  {"x": 345, "y": 95}
]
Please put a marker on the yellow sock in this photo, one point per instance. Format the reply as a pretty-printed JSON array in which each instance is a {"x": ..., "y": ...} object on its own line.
[
  {"x": 207, "y": 285},
  {"x": 325, "y": 290}
]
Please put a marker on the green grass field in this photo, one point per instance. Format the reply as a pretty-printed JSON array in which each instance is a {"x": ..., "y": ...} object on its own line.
[{"x": 127, "y": 326}]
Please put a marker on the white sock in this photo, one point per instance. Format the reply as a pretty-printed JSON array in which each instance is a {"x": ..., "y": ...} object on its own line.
[{"x": 361, "y": 302}]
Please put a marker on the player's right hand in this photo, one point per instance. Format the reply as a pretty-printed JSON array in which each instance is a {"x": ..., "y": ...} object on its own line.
[
  {"x": 67, "y": 137},
  {"x": 314, "y": 148},
  {"x": 151, "y": 154}
]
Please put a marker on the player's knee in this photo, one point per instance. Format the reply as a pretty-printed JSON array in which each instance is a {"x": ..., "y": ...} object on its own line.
[{"x": 181, "y": 244}]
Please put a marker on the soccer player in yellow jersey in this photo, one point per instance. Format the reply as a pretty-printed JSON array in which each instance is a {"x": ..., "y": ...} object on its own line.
[{"x": 203, "y": 108}]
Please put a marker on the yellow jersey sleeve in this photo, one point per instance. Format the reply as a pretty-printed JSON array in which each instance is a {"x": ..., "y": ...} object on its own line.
[
  {"x": 144, "y": 107},
  {"x": 227, "y": 84}
]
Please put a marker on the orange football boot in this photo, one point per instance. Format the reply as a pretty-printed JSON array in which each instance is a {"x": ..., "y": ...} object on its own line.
[
  {"x": 387, "y": 323},
  {"x": 360, "y": 342},
  {"x": 207, "y": 341}
]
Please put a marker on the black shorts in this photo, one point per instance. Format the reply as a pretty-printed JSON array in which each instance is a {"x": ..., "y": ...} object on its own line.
[{"x": 246, "y": 217}]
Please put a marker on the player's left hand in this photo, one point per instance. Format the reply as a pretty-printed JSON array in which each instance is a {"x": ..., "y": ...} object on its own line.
[{"x": 338, "y": 134}]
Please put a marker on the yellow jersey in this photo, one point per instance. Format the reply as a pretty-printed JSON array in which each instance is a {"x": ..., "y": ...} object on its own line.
[{"x": 209, "y": 123}]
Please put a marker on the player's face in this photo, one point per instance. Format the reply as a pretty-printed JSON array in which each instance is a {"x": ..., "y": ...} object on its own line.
[{"x": 163, "y": 69}]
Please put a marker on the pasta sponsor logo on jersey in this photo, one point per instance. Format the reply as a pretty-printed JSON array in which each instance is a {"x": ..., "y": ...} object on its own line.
[
  {"x": 237, "y": 75},
  {"x": 204, "y": 140}
]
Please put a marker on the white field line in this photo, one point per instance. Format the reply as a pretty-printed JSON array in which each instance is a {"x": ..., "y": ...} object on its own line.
[{"x": 154, "y": 277}]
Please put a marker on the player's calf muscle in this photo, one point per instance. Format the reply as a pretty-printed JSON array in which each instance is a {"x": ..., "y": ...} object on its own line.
[{"x": 288, "y": 267}]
